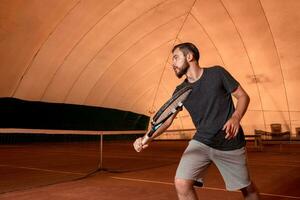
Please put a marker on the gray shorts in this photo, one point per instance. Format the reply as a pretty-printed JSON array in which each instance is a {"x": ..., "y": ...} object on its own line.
[{"x": 231, "y": 164}]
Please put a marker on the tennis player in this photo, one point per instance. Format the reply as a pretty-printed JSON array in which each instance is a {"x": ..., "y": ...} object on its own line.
[{"x": 219, "y": 138}]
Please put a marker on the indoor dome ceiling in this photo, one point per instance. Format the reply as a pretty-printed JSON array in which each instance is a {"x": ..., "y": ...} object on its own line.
[{"x": 116, "y": 53}]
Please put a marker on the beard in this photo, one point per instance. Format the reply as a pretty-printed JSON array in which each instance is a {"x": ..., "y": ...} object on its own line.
[{"x": 183, "y": 70}]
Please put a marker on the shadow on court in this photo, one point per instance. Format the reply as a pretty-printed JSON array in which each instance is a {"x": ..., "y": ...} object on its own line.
[{"x": 52, "y": 171}]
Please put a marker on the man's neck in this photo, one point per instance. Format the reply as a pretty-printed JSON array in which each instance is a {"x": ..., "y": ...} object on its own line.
[{"x": 194, "y": 73}]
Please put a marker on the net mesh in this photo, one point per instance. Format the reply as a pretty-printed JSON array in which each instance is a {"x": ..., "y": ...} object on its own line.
[{"x": 32, "y": 158}]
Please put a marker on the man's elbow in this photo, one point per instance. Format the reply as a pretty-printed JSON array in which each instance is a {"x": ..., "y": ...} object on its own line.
[
  {"x": 243, "y": 94},
  {"x": 247, "y": 97}
]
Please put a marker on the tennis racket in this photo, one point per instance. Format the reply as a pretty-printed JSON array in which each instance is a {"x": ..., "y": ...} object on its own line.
[{"x": 167, "y": 110}]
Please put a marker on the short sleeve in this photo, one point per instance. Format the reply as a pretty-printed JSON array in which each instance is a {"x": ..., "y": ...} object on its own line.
[
  {"x": 230, "y": 83},
  {"x": 179, "y": 87},
  {"x": 176, "y": 90}
]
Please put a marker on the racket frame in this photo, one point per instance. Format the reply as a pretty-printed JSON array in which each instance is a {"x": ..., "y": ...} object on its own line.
[{"x": 155, "y": 125}]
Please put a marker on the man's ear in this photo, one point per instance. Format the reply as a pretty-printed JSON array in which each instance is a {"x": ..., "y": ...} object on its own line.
[{"x": 189, "y": 57}]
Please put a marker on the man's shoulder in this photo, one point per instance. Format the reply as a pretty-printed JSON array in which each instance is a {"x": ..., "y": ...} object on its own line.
[
  {"x": 215, "y": 68},
  {"x": 183, "y": 84},
  {"x": 216, "y": 71}
]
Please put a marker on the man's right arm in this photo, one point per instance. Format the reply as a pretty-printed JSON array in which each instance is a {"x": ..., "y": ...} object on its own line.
[{"x": 139, "y": 146}]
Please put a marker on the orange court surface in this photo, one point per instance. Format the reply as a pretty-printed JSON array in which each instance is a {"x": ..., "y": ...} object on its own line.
[{"x": 57, "y": 171}]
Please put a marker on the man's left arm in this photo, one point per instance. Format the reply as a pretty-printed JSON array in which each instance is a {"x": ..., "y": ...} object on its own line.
[{"x": 231, "y": 127}]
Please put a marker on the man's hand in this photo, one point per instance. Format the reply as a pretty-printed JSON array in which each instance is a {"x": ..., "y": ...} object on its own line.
[
  {"x": 231, "y": 127},
  {"x": 138, "y": 145}
]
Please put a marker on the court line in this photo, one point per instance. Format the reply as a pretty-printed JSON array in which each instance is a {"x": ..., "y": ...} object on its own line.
[
  {"x": 43, "y": 170},
  {"x": 206, "y": 188},
  {"x": 273, "y": 165}
]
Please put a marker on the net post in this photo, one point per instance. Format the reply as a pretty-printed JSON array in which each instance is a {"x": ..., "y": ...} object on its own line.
[{"x": 101, "y": 151}]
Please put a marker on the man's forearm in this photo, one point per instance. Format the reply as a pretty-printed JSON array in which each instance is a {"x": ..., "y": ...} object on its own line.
[
  {"x": 164, "y": 126},
  {"x": 160, "y": 130},
  {"x": 241, "y": 106}
]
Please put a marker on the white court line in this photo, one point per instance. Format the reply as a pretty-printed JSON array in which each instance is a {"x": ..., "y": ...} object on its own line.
[
  {"x": 206, "y": 188},
  {"x": 274, "y": 165},
  {"x": 43, "y": 170}
]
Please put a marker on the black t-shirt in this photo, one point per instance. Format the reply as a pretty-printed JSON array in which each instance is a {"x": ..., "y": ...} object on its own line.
[{"x": 210, "y": 106}]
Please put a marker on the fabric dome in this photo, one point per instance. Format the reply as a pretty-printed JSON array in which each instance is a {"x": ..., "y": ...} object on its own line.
[{"x": 117, "y": 53}]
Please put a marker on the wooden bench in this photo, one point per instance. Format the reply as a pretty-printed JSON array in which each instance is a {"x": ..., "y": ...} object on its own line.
[
  {"x": 273, "y": 137},
  {"x": 257, "y": 140}
]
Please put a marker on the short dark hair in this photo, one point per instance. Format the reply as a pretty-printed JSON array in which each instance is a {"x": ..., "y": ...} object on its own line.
[{"x": 188, "y": 48}]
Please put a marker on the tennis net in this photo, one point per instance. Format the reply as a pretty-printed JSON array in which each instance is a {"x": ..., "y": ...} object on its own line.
[{"x": 37, "y": 157}]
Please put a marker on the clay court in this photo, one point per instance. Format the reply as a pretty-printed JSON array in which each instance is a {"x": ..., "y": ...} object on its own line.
[{"x": 71, "y": 170}]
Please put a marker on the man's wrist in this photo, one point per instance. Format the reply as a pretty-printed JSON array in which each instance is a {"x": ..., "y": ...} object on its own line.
[
  {"x": 237, "y": 116},
  {"x": 146, "y": 139}
]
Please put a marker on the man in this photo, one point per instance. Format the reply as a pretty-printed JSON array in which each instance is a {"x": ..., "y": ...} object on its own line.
[{"x": 219, "y": 137}]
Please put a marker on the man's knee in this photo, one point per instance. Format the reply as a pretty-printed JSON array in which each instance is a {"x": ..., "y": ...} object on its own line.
[{"x": 183, "y": 186}]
